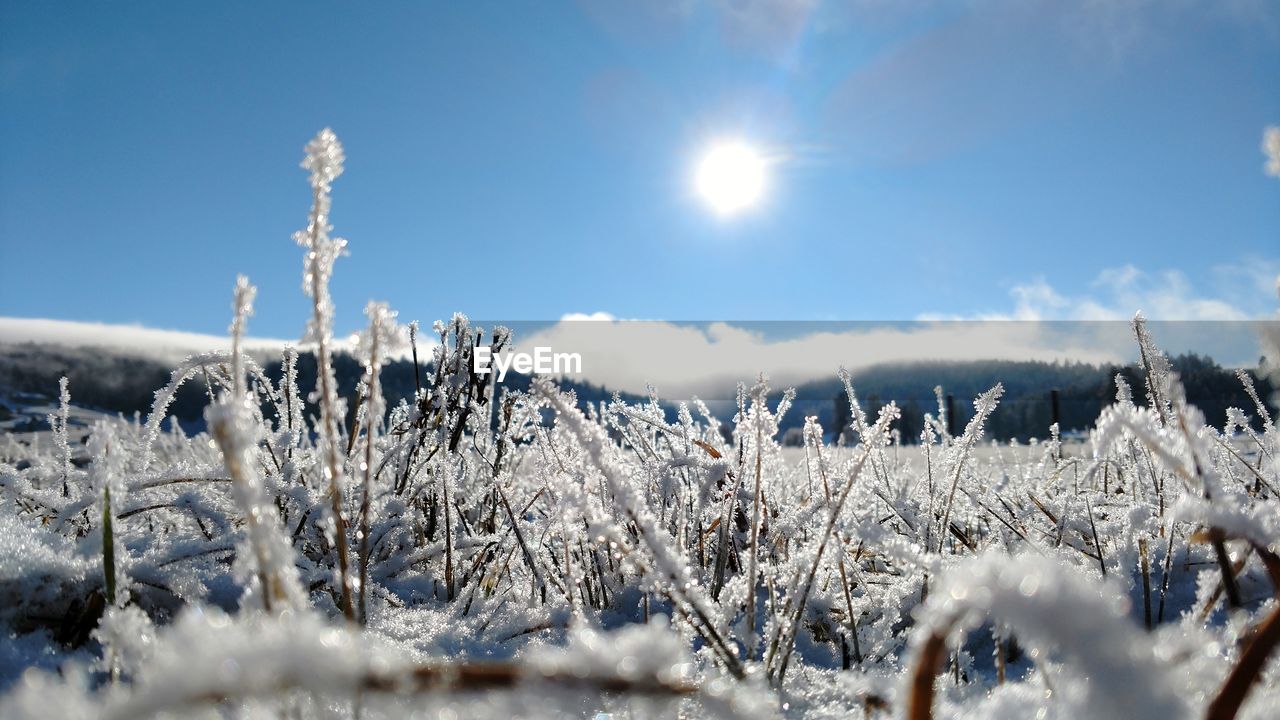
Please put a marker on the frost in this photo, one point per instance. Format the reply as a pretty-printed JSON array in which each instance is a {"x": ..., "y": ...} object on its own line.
[
  {"x": 265, "y": 560},
  {"x": 1063, "y": 615}
]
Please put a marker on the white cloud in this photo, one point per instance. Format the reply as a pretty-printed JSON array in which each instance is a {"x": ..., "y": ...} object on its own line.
[
  {"x": 162, "y": 344},
  {"x": 1240, "y": 292},
  {"x": 591, "y": 317},
  {"x": 685, "y": 358},
  {"x": 1271, "y": 148},
  {"x": 681, "y": 359},
  {"x": 709, "y": 358}
]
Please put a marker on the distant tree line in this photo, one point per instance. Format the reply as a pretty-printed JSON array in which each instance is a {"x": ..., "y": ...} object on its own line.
[
  {"x": 117, "y": 382},
  {"x": 1026, "y": 409}
]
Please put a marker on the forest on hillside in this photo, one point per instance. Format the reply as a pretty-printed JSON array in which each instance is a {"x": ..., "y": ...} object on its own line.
[{"x": 117, "y": 382}]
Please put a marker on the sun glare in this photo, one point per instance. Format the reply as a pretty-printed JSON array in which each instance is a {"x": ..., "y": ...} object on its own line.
[{"x": 730, "y": 177}]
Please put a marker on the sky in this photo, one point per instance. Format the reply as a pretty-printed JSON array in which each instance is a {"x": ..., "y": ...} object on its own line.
[{"x": 532, "y": 160}]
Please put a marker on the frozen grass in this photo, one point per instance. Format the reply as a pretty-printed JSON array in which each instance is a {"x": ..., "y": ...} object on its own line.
[{"x": 519, "y": 556}]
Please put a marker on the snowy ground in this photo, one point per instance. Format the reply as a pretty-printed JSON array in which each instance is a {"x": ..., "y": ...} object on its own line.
[{"x": 626, "y": 510}]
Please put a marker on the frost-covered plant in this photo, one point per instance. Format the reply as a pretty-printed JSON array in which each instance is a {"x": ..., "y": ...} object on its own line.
[
  {"x": 105, "y": 472},
  {"x": 381, "y": 340},
  {"x": 1058, "y": 613},
  {"x": 265, "y": 556},
  {"x": 58, "y": 424},
  {"x": 324, "y": 161}
]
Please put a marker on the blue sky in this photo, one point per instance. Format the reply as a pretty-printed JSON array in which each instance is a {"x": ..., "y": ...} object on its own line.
[{"x": 525, "y": 160}]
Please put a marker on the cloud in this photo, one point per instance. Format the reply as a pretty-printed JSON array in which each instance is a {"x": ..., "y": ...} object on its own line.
[
  {"x": 1241, "y": 291},
  {"x": 591, "y": 317},
  {"x": 169, "y": 345},
  {"x": 172, "y": 346},
  {"x": 681, "y": 359},
  {"x": 709, "y": 358},
  {"x": 1044, "y": 324},
  {"x": 1271, "y": 148}
]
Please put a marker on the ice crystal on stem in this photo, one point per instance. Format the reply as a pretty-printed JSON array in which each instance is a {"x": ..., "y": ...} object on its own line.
[
  {"x": 324, "y": 160},
  {"x": 383, "y": 338},
  {"x": 266, "y": 559}
]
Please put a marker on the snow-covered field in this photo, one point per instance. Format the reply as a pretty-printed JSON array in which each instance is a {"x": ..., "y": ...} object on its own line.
[{"x": 473, "y": 557}]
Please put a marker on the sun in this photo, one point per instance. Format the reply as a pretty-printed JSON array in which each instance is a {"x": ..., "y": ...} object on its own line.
[{"x": 730, "y": 177}]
